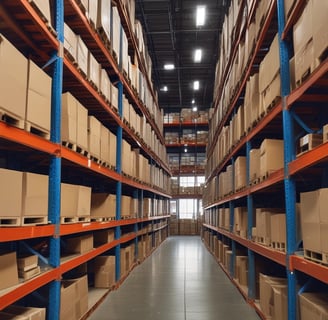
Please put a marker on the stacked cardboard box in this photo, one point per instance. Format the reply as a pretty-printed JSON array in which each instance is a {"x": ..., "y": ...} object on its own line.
[
  {"x": 241, "y": 270},
  {"x": 104, "y": 268},
  {"x": 272, "y": 156},
  {"x": 21, "y": 313},
  {"x": 102, "y": 237},
  {"x": 273, "y": 297},
  {"x": 313, "y": 305},
  {"x": 74, "y": 298},
  {"x": 80, "y": 244},
  {"x": 28, "y": 266},
  {"x": 240, "y": 221},
  {"x": 8, "y": 270},
  {"x": 103, "y": 205}
]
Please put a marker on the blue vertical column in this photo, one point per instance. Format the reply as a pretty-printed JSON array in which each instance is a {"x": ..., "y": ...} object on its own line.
[
  {"x": 289, "y": 155},
  {"x": 55, "y": 163},
  {"x": 250, "y": 223},
  {"x": 119, "y": 138}
]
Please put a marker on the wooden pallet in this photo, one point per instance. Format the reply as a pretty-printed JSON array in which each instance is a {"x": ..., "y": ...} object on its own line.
[
  {"x": 83, "y": 219},
  {"x": 82, "y": 151},
  {"x": 319, "y": 257},
  {"x": 102, "y": 219},
  {"x": 280, "y": 246},
  {"x": 94, "y": 159},
  {"x": 10, "y": 221},
  {"x": 264, "y": 241},
  {"x": 37, "y": 130},
  {"x": 11, "y": 119},
  {"x": 34, "y": 220},
  {"x": 69, "y": 145},
  {"x": 67, "y": 220}
]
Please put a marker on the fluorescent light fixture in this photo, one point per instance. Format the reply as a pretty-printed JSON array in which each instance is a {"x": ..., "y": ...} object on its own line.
[
  {"x": 196, "y": 85},
  {"x": 193, "y": 101},
  {"x": 185, "y": 150},
  {"x": 200, "y": 15},
  {"x": 169, "y": 66},
  {"x": 194, "y": 109},
  {"x": 198, "y": 55},
  {"x": 165, "y": 89}
]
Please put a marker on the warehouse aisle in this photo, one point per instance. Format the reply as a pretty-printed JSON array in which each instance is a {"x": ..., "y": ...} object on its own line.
[{"x": 180, "y": 281}]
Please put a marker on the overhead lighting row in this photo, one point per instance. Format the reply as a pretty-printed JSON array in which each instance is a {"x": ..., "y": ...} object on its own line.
[{"x": 200, "y": 21}]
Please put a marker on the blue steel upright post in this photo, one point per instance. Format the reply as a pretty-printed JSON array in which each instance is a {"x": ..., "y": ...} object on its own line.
[
  {"x": 55, "y": 163},
  {"x": 289, "y": 155}
]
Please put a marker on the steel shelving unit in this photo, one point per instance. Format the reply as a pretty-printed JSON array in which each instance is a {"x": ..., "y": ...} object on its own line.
[
  {"x": 45, "y": 46},
  {"x": 287, "y": 182}
]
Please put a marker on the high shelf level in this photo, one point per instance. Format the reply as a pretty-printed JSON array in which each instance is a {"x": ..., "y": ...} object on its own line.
[{"x": 92, "y": 140}]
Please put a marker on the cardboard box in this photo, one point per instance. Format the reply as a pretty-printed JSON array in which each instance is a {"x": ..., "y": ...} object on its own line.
[
  {"x": 313, "y": 305},
  {"x": 38, "y": 105},
  {"x": 14, "y": 74},
  {"x": 240, "y": 173},
  {"x": 93, "y": 12},
  {"x": 254, "y": 164},
  {"x": 29, "y": 312},
  {"x": 11, "y": 193},
  {"x": 44, "y": 8},
  {"x": 81, "y": 302},
  {"x": 278, "y": 228},
  {"x": 266, "y": 292},
  {"x": 94, "y": 136},
  {"x": 93, "y": 70},
  {"x": 112, "y": 152},
  {"x": 81, "y": 244},
  {"x": 104, "y": 271},
  {"x": 310, "y": 141},
  {"x": 102, "y": 237},
  {"x": 8, "y": 270},
  {"x": 125, "y": 206},
  {"x": 82, "y": 55},
  {"x": 103, "y": 205},
  {"x": 263, "y": 226},
  {"x": 241, "y": 269},
  {"x": 82, "y": 127},
  {"x": 240, "y": 221},
  {"x": 272, "y": 156},
  {"x": 115, "y": 33},
  {"x": 69, "y": 118},
  {"x": 70, "y": 42},
  {"x": 105, "y": 84},
  {"x": 104, "y": 144},
  {"x": 325, "y": 133},
  {"x": 104, "y": 17},
  {"x": 67, "y": 296},
  {"x": 320, "y": 39},
  {"x": 35, "y": 194},
  {"x": 28, "y": 262},
  {"x": 279, "y": 310},
  {"x": 114, "y": 97}
]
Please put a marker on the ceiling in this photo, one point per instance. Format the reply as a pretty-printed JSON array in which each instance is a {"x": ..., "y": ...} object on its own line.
[{"x": 172, "y": 36}]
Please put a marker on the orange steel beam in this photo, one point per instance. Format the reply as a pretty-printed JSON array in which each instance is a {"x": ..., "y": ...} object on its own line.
[{"x": 26, "y": 232}]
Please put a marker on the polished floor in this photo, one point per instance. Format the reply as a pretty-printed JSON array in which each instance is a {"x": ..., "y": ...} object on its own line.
[{"x": 179, "y": 281}]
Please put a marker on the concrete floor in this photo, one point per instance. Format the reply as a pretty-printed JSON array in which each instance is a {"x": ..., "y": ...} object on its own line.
[{"x": 180, "y": 281}]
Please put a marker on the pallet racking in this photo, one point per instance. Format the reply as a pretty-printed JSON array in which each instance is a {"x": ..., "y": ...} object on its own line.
[{"x": 44, "y": 45}]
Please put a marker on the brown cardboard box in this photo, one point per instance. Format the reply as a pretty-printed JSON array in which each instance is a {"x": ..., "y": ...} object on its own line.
[
  {"x": 263, "y": 226},
  {"x": 103, "y": 205},
  {"x": 280, "y": 304},
  {"x": 14, "y": 72},
  {"x": 115, "y": 33},
  {"x": 125, "y": 206},
  {"x": 82, "y": 55},
  {"x": 240, "y": 221},
  {"x": 278, "y": 228},
  {"x": 44, "y": 8},
  {"x": 81, "y": 244},
  {"x": 313, "y": 305},
  {"x": 104, "y": 271},
  {"x": 83, "y": 199},
  {"x": 304, "y": 62},
  {"x": 29, "y": 312},
  {"x": 93, "y": 70},
  {"x": 11, "y": 193},
  {"x": 69, "y": 118},
  {"x": 240, "y": 173},
  {"x": 272, "y": 156},
  {"x": 254, "y": 164},
  {"x": 320, "y": 39},
  {"x": 114, "y": 97},
  {"x": 93, "y": 11},
  {"x": 104, "y": 144},
  {"x": 105, "y": 84},
  {"x": 112, "y": 152},
  {"x": 35, "y": 194},
  {"x": 70, "y": 41},
  {"x": 67, "y": 296},
  {"x": 94, "y": 136},
  {"x": 103, "y": 17},
  {"x": 82, "y": 127},
  {"x": 8, "y": 270},
  {"x": 38, "y": 106},
  {"x": 241, "y": 268},
  {"x": 102, "y": 237},
  {"x": 266, "y": 292},
  {"x": 26, "y": 263},
  {"x": 123, "y": 262}
]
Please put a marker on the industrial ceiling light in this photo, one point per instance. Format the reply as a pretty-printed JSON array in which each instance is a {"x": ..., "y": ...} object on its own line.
[
  {"x": 196, "y": 85},
  {"x": 169, "y": 66},
  {"x": 194, "y": 109},
  {"x": 193, "y": 101},
  {"x": 185, "y": 150},
  {"x": 165, "y": 89},
  {"x": 200, "y": 16},
  {"x": 198, "y": 55}
]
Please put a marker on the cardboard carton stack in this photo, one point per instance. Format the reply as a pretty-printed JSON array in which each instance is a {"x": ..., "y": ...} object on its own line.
[
  {"x": 240, "y": 222},
  {"x": 20, "y": 313},
  {"x": 28, "y": 266},
  {"x": 313, "y": 305},
  {"x": 104, "y": 268},
  {"x": 8, "y": 270},
  {"x": 241, "y": 270},
  {"x": 272, "y": 156},
  {"x": 103, "y": 206}
]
